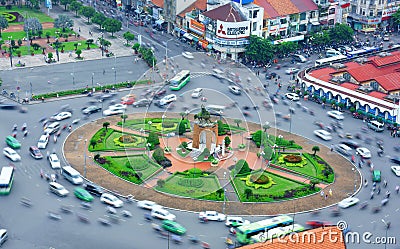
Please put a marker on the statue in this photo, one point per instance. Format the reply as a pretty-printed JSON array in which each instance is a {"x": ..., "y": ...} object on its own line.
[{"x": 203, "y": 116}]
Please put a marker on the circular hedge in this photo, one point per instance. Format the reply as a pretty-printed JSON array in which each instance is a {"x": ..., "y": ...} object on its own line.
[
  {"x": 293, "y": 158},
  {"x": 126, "y": 139},
  {"x": 259, "y": 178}
]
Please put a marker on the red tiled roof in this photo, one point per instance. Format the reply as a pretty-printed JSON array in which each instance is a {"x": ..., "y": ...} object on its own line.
[
  {"x": 158, "y": 3},
  {"x": 323, "y": 73},
  {"x": 269, "y": 11},
  {"x": 350, "y": 86},
  {"x": 322, "y": 240},
  {"x": 226, "y": 13},
  {"x": 382, "y": 61},
  {"x": 389, "y": 82},
  {"x": 284, "y": 7},
  {"x": 305, "y": 5},
  {"x": 199, "y": 4},
  {"x": 377, "y": 95}
]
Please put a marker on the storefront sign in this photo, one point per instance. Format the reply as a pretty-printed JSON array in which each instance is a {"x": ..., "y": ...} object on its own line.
[
  {"x": 233, "y": 30},
  {"x": 197, "y": 27},
  {"x": 390, "y": 11}
]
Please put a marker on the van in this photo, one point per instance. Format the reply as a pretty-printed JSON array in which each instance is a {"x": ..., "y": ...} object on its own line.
[
  {"x": 344, "y": 149},
  {"x": 376, "y": 176},
  {"x": 299, "y": 58},
  {"x": 332, "y": 52},
  {"x": 217, "y": 110},
  {"x": 218, "y": 73},
  {"x": 52, "y": 128},
  {"x": 71, "y": 175},
  {"x": 376, "y": 126}
]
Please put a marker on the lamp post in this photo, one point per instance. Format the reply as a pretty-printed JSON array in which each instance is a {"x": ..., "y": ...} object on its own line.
[
  {"x": 194, "y": 162},
  {"x": 102, "y": 44},
  {"x": 92, "y": 79},
  {"x": 262, "y": 154},
  {"x": 30, "y": 84},
  {"x": 11, "y": 63},
  {"x": 224, "y": 205},
  {"x": 166, "y": 53},
  {"x": 164, "y": 117},
  {"x": 148, "y": 149},
  {"x": 291, "y": 111},
  {"x": 387, "y": 227},
  {"x": 115, "y": 75},
  {"x": 84, "y": 156}
]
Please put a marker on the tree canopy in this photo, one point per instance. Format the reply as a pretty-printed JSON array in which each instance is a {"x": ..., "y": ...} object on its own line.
[
  {"x": 87, "y": 12},
  {"x": 341, "y": 33},
  {"x": 128, "y": 36},
  {"x": 63, "y": 22},
  {"x": 99, "y": 18},
  {"x": 112, "y": 25},
  {"x": 32, "y": 25},
  {"x": 75, "y": 6},
  {"x": 3, "y": 23}
]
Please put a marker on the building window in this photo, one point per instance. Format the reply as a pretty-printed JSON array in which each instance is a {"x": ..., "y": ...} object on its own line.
[
  {"x": 302, "y": 16},
  {"x": 283, "y": 21},
  {"x": 331, "y": 11},
  {"x": 371, "y": 12},
  {"x": 254, "y": 28},
  {"x": 379, "y": 14},
  {"x": 374, "y": 85},
  {"x": 255, "y": 13},
  {"x": 331, "y": 22},
  {"x": 302, "y": 28}
]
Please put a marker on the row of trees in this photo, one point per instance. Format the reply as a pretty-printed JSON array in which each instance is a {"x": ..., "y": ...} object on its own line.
[{"x": 263, "y": 50}]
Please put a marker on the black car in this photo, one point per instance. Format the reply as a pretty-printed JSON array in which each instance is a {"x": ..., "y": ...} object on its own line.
[
  {"x": 91, "y": 109},
  {"x": 93, "y": 189},
  {"x": 159, "y": 94},
  {"x": 270, "y": 76},
  {"x": 141, "y": 103},
  {"x": 352, "y": 144},
  {"x": 395, "y": 160}
]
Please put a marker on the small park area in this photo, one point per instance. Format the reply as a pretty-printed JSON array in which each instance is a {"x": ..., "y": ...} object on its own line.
[{"x": 112, "y": 140}]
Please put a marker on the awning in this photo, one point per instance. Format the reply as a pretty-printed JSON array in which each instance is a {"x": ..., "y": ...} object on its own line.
[
  {"x": 385, "y": 18},
  {"x": 345, "y": 5},
  {"x": 188, "y": 36},
  {"x": 159, "y": 22}
]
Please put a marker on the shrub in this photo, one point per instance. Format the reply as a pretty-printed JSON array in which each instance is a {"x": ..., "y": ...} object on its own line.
[
  {"x": 184, "y": 145},
  {"x": 158, "y": 155},
  {"x": 293, "y": 158},
  {"x": 259, "y": 178},
  {"x": 241, "y": 146},
  {"x": 221, "y": 128},
  {"x": 242, "y": 167},
  {"x": 195, "y": 171},
  {"x": 153, "y": 139},
  {"x": 160, "y": 183},
  {"x": 181, "y": 128},
  {"x": 165, "y": 163},
  {"x": 96, "y": 157},
  {"x": 256, "y": 137},
  {"x": 167, "y": 124}
]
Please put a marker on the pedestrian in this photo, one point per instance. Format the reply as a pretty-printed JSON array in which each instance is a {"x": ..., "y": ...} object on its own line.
[
  {"x": 365, "y": 182},
  {"x": 372, "y": 195},
  {"x": 322, "y": 193},
  {"x": 379, "y": 190},
  {"x": 104, "y": 71},
  {"x": 331, "y": 147},
  {"x": 384, "y": 183},
  {"x": 326, "y": 196},
  {"x": 387, "y": 194},
  {"x": 330, "y": 192}
]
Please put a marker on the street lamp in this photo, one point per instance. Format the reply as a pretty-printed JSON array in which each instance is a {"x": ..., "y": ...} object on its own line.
[
  {"x": 166, "y": 53},
  {"x": 92, "y": 79},
  {"x": 387, "y": 227},
  {"x": 11, "y": 63},
  {"x": 291, "y": 111},
  {"x": 115, "y": 75},
  {"x": 194, "y": 162},
  {"x": 73, "y": 78},
  {"x": 224, "y": 206},
  {"x": 84, "y": 156},
  {"x": 355, "y": 181},
  {"x": 262, "y": 154},
  {"x": 148, "y": 149},
  {"x": 102, "y": 44}
]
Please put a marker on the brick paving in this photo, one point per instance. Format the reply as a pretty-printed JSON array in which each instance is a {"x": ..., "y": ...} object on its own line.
[{"x": 342, "y": 187}]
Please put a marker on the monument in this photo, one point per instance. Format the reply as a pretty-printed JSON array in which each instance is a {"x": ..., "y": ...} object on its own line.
[{"x": 205, "y": 131}]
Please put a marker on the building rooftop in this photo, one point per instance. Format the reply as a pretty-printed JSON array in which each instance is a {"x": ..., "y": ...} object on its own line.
[
  {"x": 199, "y": 5},
  {"x": 226, "y": 13},
  {"x": 305, "y": 5},
  {"x": 276, "y": 8},
  {"x": 305, "y": 240},
  {"x": 158, "y": 3}
]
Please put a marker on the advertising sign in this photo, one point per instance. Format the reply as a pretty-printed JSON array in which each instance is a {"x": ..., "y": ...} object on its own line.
[
  {"x": 233, "y": 30},
  {"x": 197, "y": 27}
]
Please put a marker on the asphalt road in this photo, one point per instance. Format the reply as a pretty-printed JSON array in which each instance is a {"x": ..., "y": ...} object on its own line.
[{"x": 31, "y": 228}]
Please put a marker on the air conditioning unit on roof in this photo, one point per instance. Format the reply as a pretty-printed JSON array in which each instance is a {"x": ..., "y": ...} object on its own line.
[{"x": 338, "y": 66}]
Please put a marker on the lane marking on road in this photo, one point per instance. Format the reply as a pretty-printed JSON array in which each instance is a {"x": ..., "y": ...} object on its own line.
[{"x": 359, "y": 226}]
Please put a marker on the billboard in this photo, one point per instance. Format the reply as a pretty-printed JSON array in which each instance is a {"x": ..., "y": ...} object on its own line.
[
  {"x": 233, "y": 30},
  {"x": 197, "y": 27}
]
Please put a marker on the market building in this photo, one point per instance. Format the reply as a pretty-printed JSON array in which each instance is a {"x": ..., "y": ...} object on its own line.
[{"x": 370, "y": 84}]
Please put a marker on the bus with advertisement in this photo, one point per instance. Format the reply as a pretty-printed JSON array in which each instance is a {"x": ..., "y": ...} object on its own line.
[
  {"x": 363, "y": 51},
  {"x": 6, "y": 180},
  {"x": 245, "y": 232},
  {"x": 180, "y": 80},
  {"x": 329, "y": 60},
  {"x": 277, "y": 232}
]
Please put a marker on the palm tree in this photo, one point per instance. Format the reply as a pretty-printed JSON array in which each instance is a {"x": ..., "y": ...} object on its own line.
[
  {"x": 183, "y": 115},
  {"x": 237, "y": 122},
  {"x": 124, "y": 117},
  {"x": 315, "y": 149},
  {"x": 93, "y": 143},
  {"x": 106, "y": 124},
  {"x": 266, "y": 127}
]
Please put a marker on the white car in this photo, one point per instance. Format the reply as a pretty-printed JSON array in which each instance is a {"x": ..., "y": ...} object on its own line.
[
  {"x": 235, "y": 90},
  {"x": 110, "y": 112},
  {"x": 363, "y": 152},
  {"x": 58, "y": 189},
  {"x": 161, "y": 213},
  {"x": 117, "y": 107},
  {"x": 145, "y": 204},
  {"x": 188, "y": 55},
  {"x": 323, "y": 134},
  {"x": 292, "y": 96},
  {"x": 61, "y": 116},
  {"x": 291, "y": 70},
  {"x": 348, "y": 202},
  {"x": 43, "y": 141},
  {"x": 197, "y": 93},
  {"x": 11, "y": 154},
  {"x": 212, "y": 215},
  {"x": 111, "y": 200},
  {"x": 167, "y": 99},
  {"x": 235, "y": 221},
  {"x": 335, "y": 114},
  {"x": 396, "y": 170},
  {"x": 54, "y": 161}
]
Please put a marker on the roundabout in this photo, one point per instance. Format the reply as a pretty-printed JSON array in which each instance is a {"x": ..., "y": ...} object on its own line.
[{"x": 148, "y": 187}]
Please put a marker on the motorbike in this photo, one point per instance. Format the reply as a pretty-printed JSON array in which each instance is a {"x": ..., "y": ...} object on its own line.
[
  {"x": 193, "y": 239},
  {"x": 26, "y": 202},
  {"x": 363, "y": 205}
]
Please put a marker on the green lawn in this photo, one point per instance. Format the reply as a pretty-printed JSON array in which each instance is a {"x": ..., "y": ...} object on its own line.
[
  {"x": 127, "y": 167},
  {"x": 69, "y": 46},
  {"x": 307, "y": 169},
  {"x": 177, "y": 184},
  {"x": 27, "y": 12},
  {"x": 110, "y": 144},
  {"x": 281, "y": 185}
]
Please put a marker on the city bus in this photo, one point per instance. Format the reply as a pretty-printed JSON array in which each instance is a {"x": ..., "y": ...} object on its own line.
[
  {"x": 245, "y": 232},
  {"x": 6, "y": 180},
  {"x": 363, "y": 51},
  {"x": 180, "y": 80},
  {"x": 278, "y": 232},
  {"x": 329, "y": 60}
]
